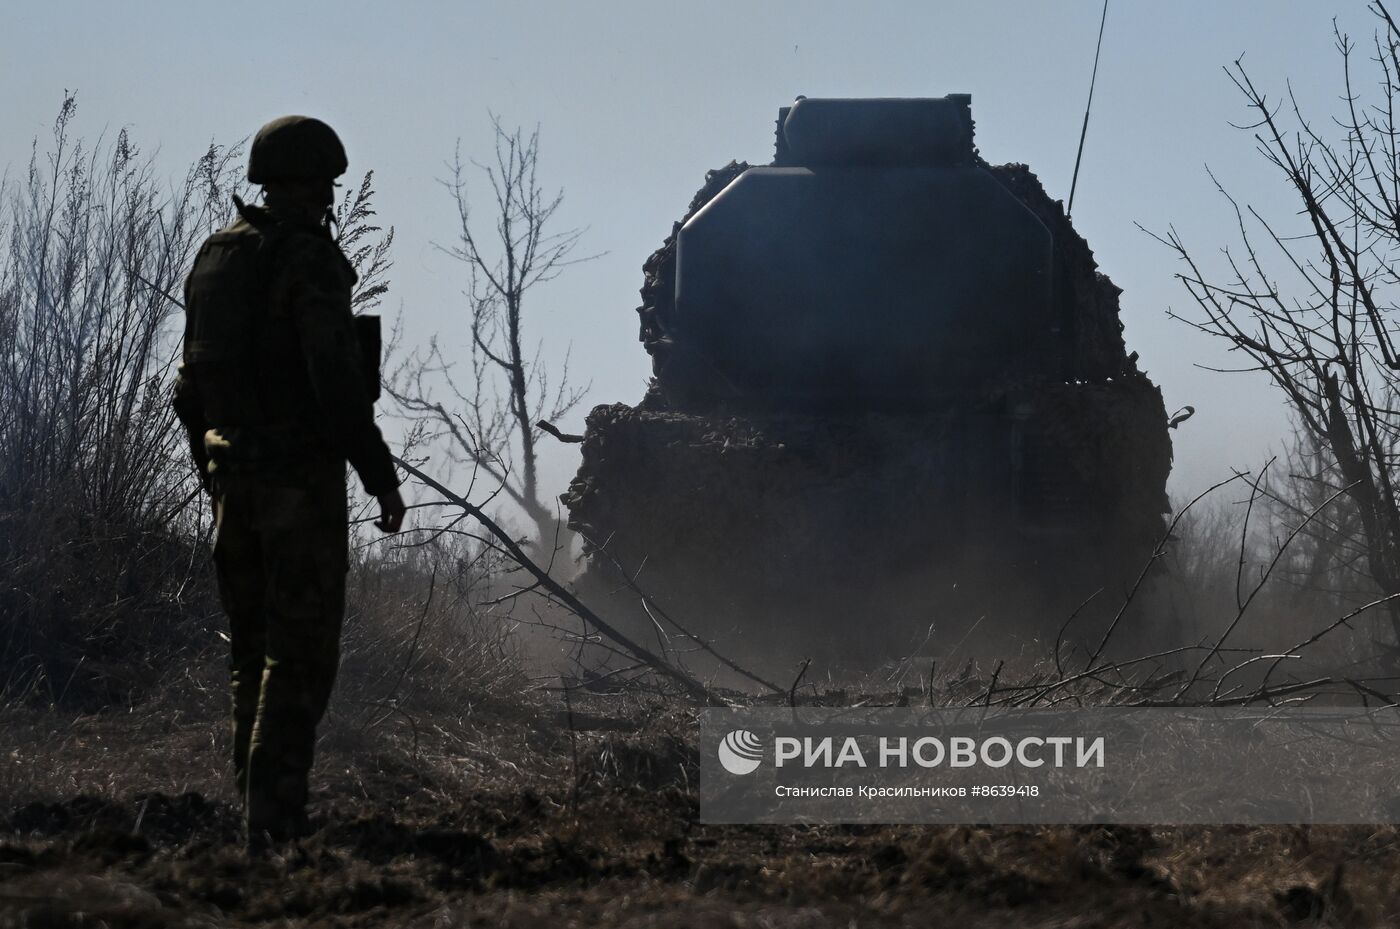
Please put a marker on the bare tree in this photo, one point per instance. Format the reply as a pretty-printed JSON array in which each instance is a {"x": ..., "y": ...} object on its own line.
[
  {"x": 1314, "y": 305},
  {"x": 1327, "y": 567},
  {"x": 492, "y": 421}
]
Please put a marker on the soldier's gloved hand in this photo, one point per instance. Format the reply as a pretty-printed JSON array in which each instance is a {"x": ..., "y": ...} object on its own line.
[{"x": 391, "y": 512}]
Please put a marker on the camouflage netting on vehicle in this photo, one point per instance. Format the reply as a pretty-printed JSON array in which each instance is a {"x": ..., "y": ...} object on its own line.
[
  {"x": 867, "y": 478},
  {"x": 1086, "y": 301},
  {"x": 785, "y": 523},
  {"x": 776, "y": 531}
]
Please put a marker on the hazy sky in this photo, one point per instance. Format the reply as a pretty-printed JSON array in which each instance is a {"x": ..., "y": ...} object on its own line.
[{"x": 636, "y": 100}]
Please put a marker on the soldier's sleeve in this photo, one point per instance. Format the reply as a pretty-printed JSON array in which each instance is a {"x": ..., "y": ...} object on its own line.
[
  {"x": 189, "y": 409},
  {"x": 317, "y": 281}
]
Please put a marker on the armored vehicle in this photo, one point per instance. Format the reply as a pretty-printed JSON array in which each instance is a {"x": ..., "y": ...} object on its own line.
[{"x": 891, "y": 404}]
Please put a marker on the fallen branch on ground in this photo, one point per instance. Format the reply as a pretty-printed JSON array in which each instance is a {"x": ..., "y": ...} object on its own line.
[{"x": 503, "y": 539}]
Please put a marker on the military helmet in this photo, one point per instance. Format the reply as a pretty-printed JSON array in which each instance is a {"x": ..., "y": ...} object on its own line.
[{"x": 295, "y": 148}]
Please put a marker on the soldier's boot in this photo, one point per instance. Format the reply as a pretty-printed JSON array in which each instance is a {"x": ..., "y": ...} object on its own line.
[
  {"x": 294, "y": 697},
  {"x": 276, "y": 812}
]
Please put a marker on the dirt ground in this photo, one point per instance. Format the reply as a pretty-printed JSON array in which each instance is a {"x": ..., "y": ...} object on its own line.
[{"x": 503, "y": 814}]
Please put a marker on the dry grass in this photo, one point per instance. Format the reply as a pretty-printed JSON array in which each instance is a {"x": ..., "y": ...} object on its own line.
[
  {"x": 449, "y": 792},
  {"x": 488, "y": 820}
]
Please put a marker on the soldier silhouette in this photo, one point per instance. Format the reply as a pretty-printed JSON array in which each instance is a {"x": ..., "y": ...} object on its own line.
[{"x": 276, "y": 395}]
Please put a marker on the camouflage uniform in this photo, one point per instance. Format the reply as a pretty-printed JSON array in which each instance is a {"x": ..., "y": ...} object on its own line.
[{"x": 275, "y": 397}]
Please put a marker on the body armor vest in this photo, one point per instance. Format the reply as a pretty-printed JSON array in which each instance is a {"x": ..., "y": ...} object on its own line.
[{"x": 242, "y": 348}]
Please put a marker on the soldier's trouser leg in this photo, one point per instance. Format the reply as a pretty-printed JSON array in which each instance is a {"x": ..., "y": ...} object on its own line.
[
  {"x": 238, "y": 562},
  {"x": 301, "y": 537}
]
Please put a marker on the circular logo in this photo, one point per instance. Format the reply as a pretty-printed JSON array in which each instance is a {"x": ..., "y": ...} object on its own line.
[{"x": 740, "y": 752}]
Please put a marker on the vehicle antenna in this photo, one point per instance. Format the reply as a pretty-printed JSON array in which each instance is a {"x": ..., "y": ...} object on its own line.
[{"x": 1084, "y": 130}]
